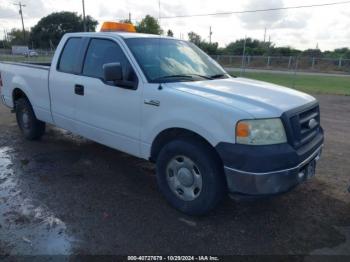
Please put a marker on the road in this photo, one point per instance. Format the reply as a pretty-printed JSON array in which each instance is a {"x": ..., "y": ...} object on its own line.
[{"x": 67, "y": 195}]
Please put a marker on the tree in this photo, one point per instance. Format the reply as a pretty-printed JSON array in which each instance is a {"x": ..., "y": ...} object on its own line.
[
  {"x": 170, "y": 33},
  {"x": 125, "y": 21},
  {"x": 284, "y": 51},
  {"x": 337, "y": 53},
  {"x": 149, "y": 25},
  {"x": 4, "y": 44},
  {"x": 252, "y": 47},
  {"x": 209, "y": 48},
  {"x": 194, "y": 38},
  {"x": 15, "y": 37},
  {"x": 312, "y": 52},
  {"x": 50, "y": 29}
]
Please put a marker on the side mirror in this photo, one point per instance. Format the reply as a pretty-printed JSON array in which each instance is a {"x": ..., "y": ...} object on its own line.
[{"x": 112, "y": 72}]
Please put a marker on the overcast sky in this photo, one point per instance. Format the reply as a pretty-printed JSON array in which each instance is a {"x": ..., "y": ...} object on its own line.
[{"x": 301, "y": 28}]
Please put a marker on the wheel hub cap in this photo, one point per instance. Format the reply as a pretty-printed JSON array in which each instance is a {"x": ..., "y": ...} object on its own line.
[{"x": 185, "y": 177}]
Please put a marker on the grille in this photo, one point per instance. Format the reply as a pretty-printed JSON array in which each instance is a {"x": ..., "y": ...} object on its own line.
[{"x": 304, "y": 125}]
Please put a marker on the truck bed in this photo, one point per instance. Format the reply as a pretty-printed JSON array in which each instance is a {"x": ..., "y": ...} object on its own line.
[{"x": 33, "y": 80}]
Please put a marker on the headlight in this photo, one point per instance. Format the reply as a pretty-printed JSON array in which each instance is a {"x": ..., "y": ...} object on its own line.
[{"x": 260, "y": 132}]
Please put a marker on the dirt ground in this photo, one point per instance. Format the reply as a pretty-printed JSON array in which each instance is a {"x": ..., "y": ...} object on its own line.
[{"x": 67, "y": 195}]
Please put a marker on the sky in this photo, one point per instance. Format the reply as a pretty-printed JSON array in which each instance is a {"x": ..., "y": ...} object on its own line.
[{"x": 327, "y": 27}]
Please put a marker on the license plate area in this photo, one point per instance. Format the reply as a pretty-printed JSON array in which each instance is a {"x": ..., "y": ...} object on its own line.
[{"x": 309, "y": 170}]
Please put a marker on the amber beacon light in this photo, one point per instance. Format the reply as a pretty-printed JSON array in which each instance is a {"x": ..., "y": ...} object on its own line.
[{"x": 115, "y": 27}]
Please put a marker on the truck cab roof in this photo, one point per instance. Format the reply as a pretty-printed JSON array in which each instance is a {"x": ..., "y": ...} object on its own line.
[{"x": 124, "y": 35}]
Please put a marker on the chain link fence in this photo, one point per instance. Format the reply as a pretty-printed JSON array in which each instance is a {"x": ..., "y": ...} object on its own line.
[
  {"x": 279, "y": 63},
  {"x": 40, "y": 56},
  {"x": 283, "y": 63}
]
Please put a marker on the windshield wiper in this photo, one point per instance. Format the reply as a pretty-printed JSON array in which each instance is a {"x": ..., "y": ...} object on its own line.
[
  {"x": 172, "y": 76},
  {"x": 187, "y": 76},
  {"x": 218, "y": 76},
  {"x": 202, "y": 76}
]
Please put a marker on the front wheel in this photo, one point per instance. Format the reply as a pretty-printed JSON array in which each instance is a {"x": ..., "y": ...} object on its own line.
[
  {"x": 190, "y": 176},
  {"x": 30, "y": 126}
]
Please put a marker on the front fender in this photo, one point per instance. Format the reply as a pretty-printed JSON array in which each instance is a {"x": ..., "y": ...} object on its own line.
[{"x": 208, "y": 125}]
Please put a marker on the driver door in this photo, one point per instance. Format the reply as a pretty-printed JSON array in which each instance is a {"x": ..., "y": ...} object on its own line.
[{"x": 107, "y": 113}]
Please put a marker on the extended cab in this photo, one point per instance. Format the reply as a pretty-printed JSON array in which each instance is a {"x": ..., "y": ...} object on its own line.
[{"x": 166, "y": 101}]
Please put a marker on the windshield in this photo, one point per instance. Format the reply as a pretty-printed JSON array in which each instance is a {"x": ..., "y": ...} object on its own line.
[{"x": 170, "y": 60}]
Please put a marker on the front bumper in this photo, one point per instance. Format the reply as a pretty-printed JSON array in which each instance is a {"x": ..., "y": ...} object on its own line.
[{"x": 267, "y": 170}]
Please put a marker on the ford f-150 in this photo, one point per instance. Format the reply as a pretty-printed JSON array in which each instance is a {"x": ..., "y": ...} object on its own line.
[{"x": 164, "y": 100}]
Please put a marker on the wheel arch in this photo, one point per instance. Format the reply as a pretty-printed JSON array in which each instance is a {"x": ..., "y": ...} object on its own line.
[
  {"x": 18, "y": 93},
  {"x": 171, "y": 134}
]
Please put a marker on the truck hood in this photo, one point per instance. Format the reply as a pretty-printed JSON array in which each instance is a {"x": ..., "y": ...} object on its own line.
[{"x": 259, "y": 99}]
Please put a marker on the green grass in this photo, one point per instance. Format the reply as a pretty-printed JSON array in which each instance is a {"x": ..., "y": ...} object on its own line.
[
  {"x": 11, "y": 58},
  {"x": 308, "y": 83}
]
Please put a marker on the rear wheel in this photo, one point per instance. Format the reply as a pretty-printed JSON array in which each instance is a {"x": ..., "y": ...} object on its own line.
[
  {"x": 190, "y": 176},
  {"x": 30, "y": 126}
]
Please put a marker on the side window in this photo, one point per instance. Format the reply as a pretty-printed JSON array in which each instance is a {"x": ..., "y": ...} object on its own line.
[
  {"x": 102, "y": 52},
  {"x": 69, "y": 57}
]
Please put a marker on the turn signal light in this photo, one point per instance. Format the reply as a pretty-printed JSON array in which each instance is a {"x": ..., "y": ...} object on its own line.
[
  {"x": 242, "y": 129},
  {"x": 115, "y": 27}
]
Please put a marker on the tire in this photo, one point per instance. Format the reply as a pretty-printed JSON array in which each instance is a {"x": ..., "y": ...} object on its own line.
[
  {"x": 180, "y": 159},
  {"x": 30, "y": 126}
]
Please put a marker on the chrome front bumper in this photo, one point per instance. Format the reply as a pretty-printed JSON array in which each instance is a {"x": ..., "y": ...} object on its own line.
[{"x": 275, "y": 182}]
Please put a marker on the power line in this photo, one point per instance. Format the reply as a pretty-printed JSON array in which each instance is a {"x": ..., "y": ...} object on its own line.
[
  {"x": 249, "y": 11},
  {"x": 257, "y": 10}
]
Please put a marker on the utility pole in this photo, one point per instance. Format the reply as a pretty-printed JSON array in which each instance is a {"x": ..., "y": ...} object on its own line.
[
  {"x": 5, "y": 35},
  {"x": 210, "y": 34},
  {"x": 84, "y": 20},
  {"x": 130, "y": 17},
  {"x": 21, "y": 13},
  {"x": 265, "y": 35},
  {"x": 243, "y": 57}
]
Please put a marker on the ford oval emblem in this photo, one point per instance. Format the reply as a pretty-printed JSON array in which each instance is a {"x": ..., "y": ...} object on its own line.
[{"x": 312, "y": 123}]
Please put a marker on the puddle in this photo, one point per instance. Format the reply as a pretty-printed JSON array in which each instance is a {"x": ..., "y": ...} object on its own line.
[
  {"x": 342, "y": 249},
  {"x": 27, "y": 226}
]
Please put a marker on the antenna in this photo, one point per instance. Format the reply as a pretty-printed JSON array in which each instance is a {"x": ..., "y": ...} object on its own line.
[{"x": 21, "y": 13}]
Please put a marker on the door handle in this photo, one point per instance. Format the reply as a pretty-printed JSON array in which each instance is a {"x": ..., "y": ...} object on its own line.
[
  {"x": 152, "y": 102},
  {"x": 79, "y": 90}
]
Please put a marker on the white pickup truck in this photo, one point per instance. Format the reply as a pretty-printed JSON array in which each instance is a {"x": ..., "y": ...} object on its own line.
[{"x": 166, "y": 101}]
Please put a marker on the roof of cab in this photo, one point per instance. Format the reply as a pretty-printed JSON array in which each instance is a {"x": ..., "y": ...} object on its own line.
[{"x": 124, "y": 35}]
